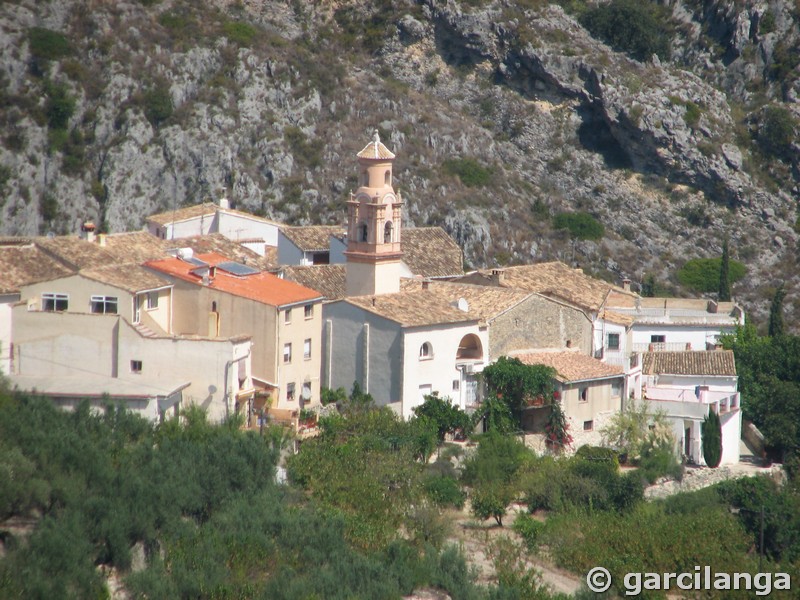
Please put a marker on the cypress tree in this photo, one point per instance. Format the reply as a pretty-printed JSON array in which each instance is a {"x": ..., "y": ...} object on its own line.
[
  {"x": 776, "y": 312},
  {"x": 724, "y": 274},
  {"x": 712, "y": 439}
]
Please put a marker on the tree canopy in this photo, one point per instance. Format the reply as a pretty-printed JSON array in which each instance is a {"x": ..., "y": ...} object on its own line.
[
  {"x": 703, "y": 274},
  {"x": 581, "y": 225}
]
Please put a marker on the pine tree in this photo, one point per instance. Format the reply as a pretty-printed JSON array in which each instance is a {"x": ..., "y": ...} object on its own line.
[
  {"x": 712, "y": 439},
  {"x": 724, "y": 274},
  {"x": 776, "y": 312}
]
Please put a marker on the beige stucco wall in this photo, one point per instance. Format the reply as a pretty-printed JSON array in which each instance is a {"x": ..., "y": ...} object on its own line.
[
  {"x": 600, "y": 403},
  {"x": 539, "y": 322},
  {"x": 265, "y": 323},
  {"x": 159, "y": 318},
  {"x": 93, "y": 345},
  {"x": 80, "y": 290}
]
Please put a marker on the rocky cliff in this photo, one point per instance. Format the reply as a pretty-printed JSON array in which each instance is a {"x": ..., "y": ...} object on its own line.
[{"x": 503, "y": 114}]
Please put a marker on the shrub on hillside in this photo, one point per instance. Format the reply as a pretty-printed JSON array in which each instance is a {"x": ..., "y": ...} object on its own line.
[
  {"x": 777, "y": 131},
  {"x": 469, "y": 171},
  {"x": 702, "y": 274},
  {"x": 45, "y": 44},
  {"x": 581, "y": 225},
  {"x": 636, "y": 28}
]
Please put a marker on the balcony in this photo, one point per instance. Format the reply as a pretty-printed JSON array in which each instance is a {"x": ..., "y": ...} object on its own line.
[{"x": 662, "y": 347}]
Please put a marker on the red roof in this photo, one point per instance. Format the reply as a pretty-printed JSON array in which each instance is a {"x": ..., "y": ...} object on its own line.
[{"x": 261, "y": 287}]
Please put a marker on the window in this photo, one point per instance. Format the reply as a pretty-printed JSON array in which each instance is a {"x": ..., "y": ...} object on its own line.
[
  {"x": 456, "y": 385},
  {"x": 306, "y": 394},
  {"x": 387, "y": 178},
  {"x": 287, "y": 316},
  {"x": 104, "y": 304},
  {"x": 616, "y": 387},
  {"x": 362, "y": 232},
  {"x": 658, "y": 339},
  {"x": 308, "y": 311},
  {"x": 287, "y": 353},
  {"x": 425, "y": 351},
  {"x": 588, "y": 425},
  {"x": 387, "y": 233},
  {"x": 152, "y": 300},
  {"x": 613, "y": 341},
  {"x": 136, "y": 366},
  {"x": 307, "y": 349},
  {"x": 584, "y": 394},
  {"x": 290, "y": 391},
  {"x": 55, "y": 302}
]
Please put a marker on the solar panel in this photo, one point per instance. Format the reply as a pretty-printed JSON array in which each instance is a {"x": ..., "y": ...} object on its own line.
[
  {"x": 197, "y": 262},
  {"x": 237, "y": 268}
]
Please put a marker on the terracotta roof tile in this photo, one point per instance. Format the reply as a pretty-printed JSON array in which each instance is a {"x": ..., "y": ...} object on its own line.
[
  {"x": 261, "y": 287},
  {"x": 430, "y": 252},
  {"x": 557, "y": 280},
  {"x": 219, "y": 244},
  {"x": 135, "y": 247},
  {"x": 130, "y": 277},
  {"x": 312, "y": 238},
  {"x": 485, "y": 301},
  {"x": 618, "y": 318},
  {"x": 712, "y": 362},
  {"x": 414, "y": 309},
  {"x": 571, "y": 365},
  {"x": 375, "y": 150},
  {"x": 23, "y": 264},
  {"x": 328, "y": 280}
]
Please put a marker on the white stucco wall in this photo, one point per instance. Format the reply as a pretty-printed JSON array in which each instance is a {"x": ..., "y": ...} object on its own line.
[
  {"x": 438, "y": 372},
  {"x": 6, "y": 331},
  {"x": 697, "y": 336},
  {"x": 237, "y": 226}
]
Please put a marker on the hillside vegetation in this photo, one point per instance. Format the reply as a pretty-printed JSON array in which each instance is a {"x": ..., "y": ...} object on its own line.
[{"x": 673, "y": 128}]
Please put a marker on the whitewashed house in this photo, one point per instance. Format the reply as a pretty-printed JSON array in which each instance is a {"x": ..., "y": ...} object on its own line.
[{"x": 687, "y": 386}]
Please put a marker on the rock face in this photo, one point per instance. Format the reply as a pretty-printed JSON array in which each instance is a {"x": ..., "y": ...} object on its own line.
[{"x": 501, "y": 116}]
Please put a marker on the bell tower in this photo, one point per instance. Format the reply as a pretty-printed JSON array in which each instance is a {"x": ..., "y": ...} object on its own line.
[{"x": 373, "y": 225}]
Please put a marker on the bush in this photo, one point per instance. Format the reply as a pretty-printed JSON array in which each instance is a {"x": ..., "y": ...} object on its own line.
[
  {"x": 629, "y": 26},
  {"x": 240, "y": 33},
  {"x": 469, "y": 171},
  {"x": 59, "y": 107},
  {"x": 444, "y": 415},
  {"x": 659, "y": 462},
  {"x": 529, "y": 529},
  {"x": 702, "y": 274},
  {"x": 712, "y": 439},
  {"x": 491, "y": 501},
  {"x": 776, "y": 134},
  {"x": 157, "y": 105},
  {"x": 46, "y": 44},
  {"x": 581, "y": 225},
  {"x": 444, "y": 491}
]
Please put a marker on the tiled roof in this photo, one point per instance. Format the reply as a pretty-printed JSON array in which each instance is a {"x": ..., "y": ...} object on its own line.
[
  {"x": 571, "y": 365},
  {"x": 312, "y": 238},
  {"x": 618, "y": 318},
  {"x": 261, "y": 287},
  {"x": 328, "y": 280},
  {"x": 430, "y": 252},
  {"x": 183, "y": 214},
  {"x": 22, "y": 264},
  {"x": 485, "y": 301},
  {"x": 76, "y": 252},
  {"x": 199, "y": 210},
  {"x": 712, "y": 362},
  {"x": 219, "y": 244},
  {"x": 376, "y": 150},
  {"x": 414, "y": 309},
  {"x": 557, "y": 280},
  {"x": 135, "y": 247},
  {"x": 130, "y": 277}
]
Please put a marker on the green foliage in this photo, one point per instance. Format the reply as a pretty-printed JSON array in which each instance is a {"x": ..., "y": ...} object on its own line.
[
  {"x": 48, "y": 207},
  {"x": 444, "y": 491},
  {"x": 581, "y": 225},
  {"x": 240, "y": 33},
  {"x": 157, "y": 104},
  {"x": 444, "y": 415},
  {"x": 636, "y": 28},
  {"x": 496, "y": 415},
  {"x": 518, "y": 384},
  {"x": 767, "y": 23},
  {"x": 776, "y": 327},
  {"x": 557, "y": 437},
  {"x": 692, "y": 114},
  {"x": 490, "y": 501},
  {"x": 712, "y": 439},
  {"x": 529, "y": 529},
  {"x": 703, "y": 274},
  {"x": 651, "y": 288},
  {"x": 45, "y": 44},
  {"x": 658, "y": 460},
  {"x": 329, "y": 396},
  {"x": 60, "y": 106},
  {"x": 307, "y": 153},
  {"x": 637, "y": 429},
  {"x": 777, "y": 132},
  {"x": 724, "y": 274},
  {"x": 769, "y": 372},
  {"x": 469, "y": 171}
]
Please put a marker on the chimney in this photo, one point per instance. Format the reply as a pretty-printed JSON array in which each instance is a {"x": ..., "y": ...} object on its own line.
[
  {"x": 688, "y": 346},
  {"x": 87, "y": 231},
  {"x": 626, "y": 284},
  {"x": 373, "y": 301},
  {"x": 425, "y": 284},
  {"x": 569, "y": 343},
  {"x": 101, "y": 239},
  {"x": 223, "y": 201},
  {"x": 713, "y": 307},
  {"x": 498, "y": 276}
]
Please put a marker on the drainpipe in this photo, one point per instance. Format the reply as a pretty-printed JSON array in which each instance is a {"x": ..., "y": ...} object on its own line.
[{"x": 228, "y": 365}]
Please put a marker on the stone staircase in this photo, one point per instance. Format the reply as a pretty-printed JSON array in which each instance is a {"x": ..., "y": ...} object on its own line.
[{"x": 144, "y": 331}]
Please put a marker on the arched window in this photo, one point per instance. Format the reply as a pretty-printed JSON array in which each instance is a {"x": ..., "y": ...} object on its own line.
[
  {"x": 364, "y": 177},
  {"x": 469, "y": 348},
  {"x": 362, "y": 232},
  {"x": 425, "y": 351},
  {"x": 387, "y": 233},
  {"x": 387, "y": 178}
]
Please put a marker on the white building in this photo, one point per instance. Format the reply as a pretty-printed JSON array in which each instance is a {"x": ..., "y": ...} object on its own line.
[{"x": 687, "y": 386}]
